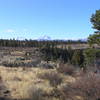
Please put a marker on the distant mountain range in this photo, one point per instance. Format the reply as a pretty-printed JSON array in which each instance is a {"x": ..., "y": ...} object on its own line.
[{"x": 46, "y": 38}]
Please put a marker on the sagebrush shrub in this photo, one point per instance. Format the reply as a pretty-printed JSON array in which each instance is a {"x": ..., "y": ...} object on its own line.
[
  {"x": 67, "y": 69},
  {"x": 36, "y": 93},
  {"x": 87, "y": 87},
  {"x": 54, "y": 78}
]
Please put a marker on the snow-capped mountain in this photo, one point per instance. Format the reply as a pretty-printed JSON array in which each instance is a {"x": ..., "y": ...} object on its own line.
[{"x": 45, "y": 37}]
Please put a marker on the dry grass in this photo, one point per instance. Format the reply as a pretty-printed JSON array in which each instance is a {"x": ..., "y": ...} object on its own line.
[
  {"x": 18, "y": 81},
  {"x": 75, "y": 46}
]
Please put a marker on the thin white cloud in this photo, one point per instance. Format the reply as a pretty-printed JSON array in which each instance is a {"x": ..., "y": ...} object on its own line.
[
  {"x": 25, "y": 29},
  {"x": 9, "y": 31}
]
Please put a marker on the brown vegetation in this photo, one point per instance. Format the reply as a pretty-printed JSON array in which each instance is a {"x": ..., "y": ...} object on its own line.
[
  {"x": 67, "y": 69},
  {"x": 86, "y": 87},
  {"x": 53, "y": 77},
  {"x": 27, "y": 76}
]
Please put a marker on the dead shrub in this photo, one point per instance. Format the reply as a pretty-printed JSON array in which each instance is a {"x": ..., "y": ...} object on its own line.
[
  {"x": 36, "y": 93},
  {"x": 55, "y": 93},
  {"x": 87, "y": 87},
  {"x": 17, "y": 79},
  {"x": 0, "y": 79},
  {"x": 54, "y": 78},
  {"x": 67, "y": 69}
]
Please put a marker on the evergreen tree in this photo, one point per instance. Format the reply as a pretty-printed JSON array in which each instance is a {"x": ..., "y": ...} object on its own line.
[{"x": 95, "y": 20}]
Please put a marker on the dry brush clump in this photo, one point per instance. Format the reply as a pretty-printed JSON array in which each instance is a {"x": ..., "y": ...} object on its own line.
[
  {"x": 87, "y": 87},
  {"x": 35, "y": 93},
  {"x": 53, "y": 77},
  {"x": 67, "y": 69}
]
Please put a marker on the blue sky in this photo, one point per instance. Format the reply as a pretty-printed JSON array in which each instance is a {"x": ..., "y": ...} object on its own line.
[{"x": 58, "y": 19}]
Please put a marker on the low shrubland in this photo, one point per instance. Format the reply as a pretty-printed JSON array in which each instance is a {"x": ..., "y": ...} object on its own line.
[
  {"x": 50, "y": 84},
  {"x": 56, "y": 79},
  {"x": 86, "y": 87}
]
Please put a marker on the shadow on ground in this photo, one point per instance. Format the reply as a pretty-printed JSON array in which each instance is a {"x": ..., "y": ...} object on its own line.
[{"x": 4, "y": 91}]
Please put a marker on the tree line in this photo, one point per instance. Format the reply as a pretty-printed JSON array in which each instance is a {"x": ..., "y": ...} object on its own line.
[
  {"x": 77, "y": 57},
  {"x": 36, "y": 43}
]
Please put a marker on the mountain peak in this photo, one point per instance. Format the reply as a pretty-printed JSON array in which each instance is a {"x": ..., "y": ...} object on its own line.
[{"x": 45, "y": 37}]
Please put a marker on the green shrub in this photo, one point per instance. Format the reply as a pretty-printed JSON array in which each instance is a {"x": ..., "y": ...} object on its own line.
[
  {"x": 90, "y": 56},
  {"x": 77, "y": 58}
]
